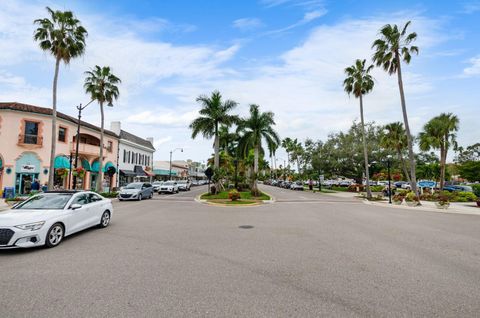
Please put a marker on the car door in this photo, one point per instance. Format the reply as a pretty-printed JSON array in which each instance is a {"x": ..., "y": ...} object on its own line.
[
  {"x": 78, "y": 219},
  {"x": 96, "y": 209}
]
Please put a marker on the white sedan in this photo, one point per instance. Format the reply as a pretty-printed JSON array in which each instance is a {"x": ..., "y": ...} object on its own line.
[{"x": 46, "y": 218}]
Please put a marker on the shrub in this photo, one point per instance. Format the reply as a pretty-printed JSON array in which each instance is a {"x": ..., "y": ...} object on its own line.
[
  {"x": 427, "y": 197},
  {"x": 213, "y": 189},
  {"x": 465, "y": 197},
  {"x": 410, "y": 197},
  {"x": 109, "y": 194},
  {"x": 398, "y": 197},
  {"x": 376, "y": 188},
  {"x": 353, "y": 188},
  {"x": 233, "y": 195},
  {"x": 443, "y": 199},
  {"x": 476, "y": 189}
]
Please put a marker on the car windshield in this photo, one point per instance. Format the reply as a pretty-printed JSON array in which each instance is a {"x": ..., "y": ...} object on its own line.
[
  {"x": 157, "y": 183},
  {"x": 133, "y": 186},
  {"x": 182, "y": 181},
  {"x": 52, "y": 201},
  {"x": 169, "y": 183}
]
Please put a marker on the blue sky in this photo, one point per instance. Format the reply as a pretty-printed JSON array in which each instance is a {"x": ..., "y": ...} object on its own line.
[{"x": 287, "y": 56}]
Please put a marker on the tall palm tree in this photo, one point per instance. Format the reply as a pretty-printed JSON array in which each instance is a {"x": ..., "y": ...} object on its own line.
[
  {"x": 253, "y": 130},
  {"x": 391, "y": 49},
  {"x": 287, "y": 144},
  {"x": 101, "y": 85},
  {"x": 439, "y": 133},
  {"x": 214, "y": 113},
  {"x": 359, "y": 82},
  {"x": 296, "y": 152},
  {"x": 395, "y": 139},
  {"x": 62, "y": 35}
]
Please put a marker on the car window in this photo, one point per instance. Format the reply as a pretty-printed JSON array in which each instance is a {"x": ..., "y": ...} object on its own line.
[
  {"x": 80, "y": 199},
  {"x": 45, "y": 202},
  {"x": 147, "y": 185},
  {"x": 92, "y": 197}
]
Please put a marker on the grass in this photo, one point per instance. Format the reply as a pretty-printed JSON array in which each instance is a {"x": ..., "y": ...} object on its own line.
[
  {"x": 245, "y": 195},
  {"x": 238, "y": 202}
]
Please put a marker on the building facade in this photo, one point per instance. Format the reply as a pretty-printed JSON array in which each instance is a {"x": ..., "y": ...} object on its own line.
[
  {"x": 25, "y": 146},
  {"x": 135, "y": 156}
]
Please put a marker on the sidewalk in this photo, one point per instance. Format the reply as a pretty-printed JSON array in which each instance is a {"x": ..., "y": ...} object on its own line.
[
  {"x": 3, "y": 205},
  {"x": 455, "y": 207}
]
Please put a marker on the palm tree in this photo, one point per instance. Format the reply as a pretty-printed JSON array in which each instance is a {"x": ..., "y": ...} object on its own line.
[
  {"x": 62, "y": 35},
  {"x": 287, "y": 145},
  {"x": 395, "y": 139},
  {"x": 101, "y": 85},
  {"x": 214, "y": 113},
  {"x": 253, "y": 130},
  {"x": 391, "y": 49},
  {"x": 359, "y": 82},
  {"x": 439, "y": 133}
]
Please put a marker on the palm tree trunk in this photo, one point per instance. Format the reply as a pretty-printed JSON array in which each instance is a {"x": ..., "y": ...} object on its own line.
[
  {"x": 411, "y": 155},
  {"x": 255, "y": 170},
  {"x": 404, "y": 165},
  {"x": 443, "y": 158},
  {"x": 53, "y": 149},
  {"x": 216, "y": 161},
  {"x": 365, "y": 152},
  {"x": 100, "y": 160}
]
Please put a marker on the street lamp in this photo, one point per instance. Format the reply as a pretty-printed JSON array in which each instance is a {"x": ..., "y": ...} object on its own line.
[
  {"x": 80, "y": 108},
  {"x": 172, "y": 151}
]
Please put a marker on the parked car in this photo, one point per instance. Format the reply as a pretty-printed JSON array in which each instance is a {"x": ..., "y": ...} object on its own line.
[
  {"x": 458, "y": 188},
  {"x": 46, "y": 218},
  {"x": 183, "y": 185},
  {"x": 297, "y": 186},
  {"x": 156, "y": 185},
  {"x": 169, "y": 187},
  {"x": 136, "y": 191},
  {"x": 399, "y": 184}
]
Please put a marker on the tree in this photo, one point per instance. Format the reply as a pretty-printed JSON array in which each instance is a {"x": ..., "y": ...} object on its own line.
[
  {"x": 253, "y": 130},
  {"x": 439, "y": 133},
  {"x": 359, "y": 82},
  {"x": 102, "y": 87},
  {"x": 296, "y": 151},
  {"x": 62, "y": 35},
  {"x": 287, "y": 145},
  {"x": 395, "y": 139},
  {"x": 214, "y": 113},
  {"x": 391, "y": 49}
]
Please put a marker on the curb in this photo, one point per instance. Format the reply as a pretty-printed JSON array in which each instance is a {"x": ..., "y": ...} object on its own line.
[
  {"x": 202, "y": 201},
  {"x": 420, "y": 208}
]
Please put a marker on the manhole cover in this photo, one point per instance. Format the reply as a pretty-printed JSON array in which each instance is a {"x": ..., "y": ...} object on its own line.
[{"x": 245, "y": 227}]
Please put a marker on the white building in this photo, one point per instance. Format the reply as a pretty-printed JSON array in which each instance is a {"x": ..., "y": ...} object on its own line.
[{"x": 135, "y": 156}]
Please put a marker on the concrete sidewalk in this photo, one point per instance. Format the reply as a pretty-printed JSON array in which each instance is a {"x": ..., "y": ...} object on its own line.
[
  {"x": 455, "y": 207},
  {"x": 3, "y": 205}
]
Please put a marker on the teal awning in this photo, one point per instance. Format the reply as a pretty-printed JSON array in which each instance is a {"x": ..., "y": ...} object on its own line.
[
  {"x": 96, "y": 165},
  {"x": 163, "y": 172},
  {"x": 1, "y": 163},
  {"x": 108, "y": 165},
  {"x": 86, "y": 165},
  {"x": 61, "y": 162}
]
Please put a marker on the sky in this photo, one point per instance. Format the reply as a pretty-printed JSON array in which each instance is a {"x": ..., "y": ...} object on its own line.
[{"x": 286, "y": 56}]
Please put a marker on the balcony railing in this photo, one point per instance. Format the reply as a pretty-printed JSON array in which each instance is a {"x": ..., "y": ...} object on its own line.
[{"x": 28, "y": 139}]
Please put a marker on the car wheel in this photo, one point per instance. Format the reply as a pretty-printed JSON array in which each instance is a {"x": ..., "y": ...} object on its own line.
[
  {"x": 54, "y": 235},
  {"x": 105, "y": 220},
  {"x": 139, "y": 197},
  {"x": 151, "y": 195}
]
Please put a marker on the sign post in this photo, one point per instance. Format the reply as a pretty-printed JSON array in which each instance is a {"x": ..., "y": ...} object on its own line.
[{"x": 209, "y": 174}]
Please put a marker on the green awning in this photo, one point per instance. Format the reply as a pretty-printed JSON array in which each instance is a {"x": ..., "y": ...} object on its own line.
[
  {"x": 86, "y": 165},
  {"x": 61, "y": 162},
  {"x": 108, "y": 165},
  {"x": 96, "y": 165},
  {"x": 1, "y": 163},
  {"x": 163, "y": 172}
]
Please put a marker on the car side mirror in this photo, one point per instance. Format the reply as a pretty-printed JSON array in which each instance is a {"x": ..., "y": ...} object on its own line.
[{"x": 75, "y": 206}]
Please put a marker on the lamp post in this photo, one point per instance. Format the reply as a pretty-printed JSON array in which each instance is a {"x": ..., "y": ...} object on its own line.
[
  {"x": 80, "y": 108},
  {"x": 389, "y": 157},
  {"x": 171, "y": 152},
  {"x": 235, "y": 161}
]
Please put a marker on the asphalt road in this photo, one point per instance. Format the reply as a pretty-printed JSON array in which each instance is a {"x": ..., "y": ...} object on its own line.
[{"x": 307, "y": 255}]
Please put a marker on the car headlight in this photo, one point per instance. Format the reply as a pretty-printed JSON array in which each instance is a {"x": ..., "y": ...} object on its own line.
[{"x": 31, "y": 226}]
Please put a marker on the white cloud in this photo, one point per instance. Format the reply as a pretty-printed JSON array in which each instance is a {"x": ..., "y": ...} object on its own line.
[
  {"x": 474, "y": 68},
  {"x": 247, "y": 24}
]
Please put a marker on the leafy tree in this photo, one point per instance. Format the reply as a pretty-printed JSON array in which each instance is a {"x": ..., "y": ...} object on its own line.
[
  {"x": 253, "y": 130},
  {"x": 63, "y": 36},
  {"x": 391, "y": 49},
  {"x": 469, "y": 162},
  {"x": 439, "y": 133},
  {"x": 287, "y": 144},
  {"x": 359, "y": 82},
  {"x": 214, "y": 113},
  {"x": 101, "y": 85},
  {"x": 395, "y": 139}
]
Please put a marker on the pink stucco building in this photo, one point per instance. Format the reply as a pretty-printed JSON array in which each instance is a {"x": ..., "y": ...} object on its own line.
[{"x": 25, "y": 145}]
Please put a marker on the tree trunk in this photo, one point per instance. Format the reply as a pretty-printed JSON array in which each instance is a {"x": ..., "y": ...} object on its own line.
[
  {"x": 365, "y": 152},
  {"x": 53, "y": 149},
  {"x": 404, "y": 166},
  {"x": 100, "y": 160},
  {"x": 255, "y": 170},
  {"x": 443, "y": 158},
  {"x": 411, "y": 155},
  {"x": 216, "y": 161}
]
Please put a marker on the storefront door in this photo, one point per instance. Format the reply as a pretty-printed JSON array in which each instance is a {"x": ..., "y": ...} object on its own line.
[
  {"x": 21, "y": 179},
  {"x": 93, "y": 181}
]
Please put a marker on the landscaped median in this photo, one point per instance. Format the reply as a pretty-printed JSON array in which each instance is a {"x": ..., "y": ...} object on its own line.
[{"x": 235, "y": 198}]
